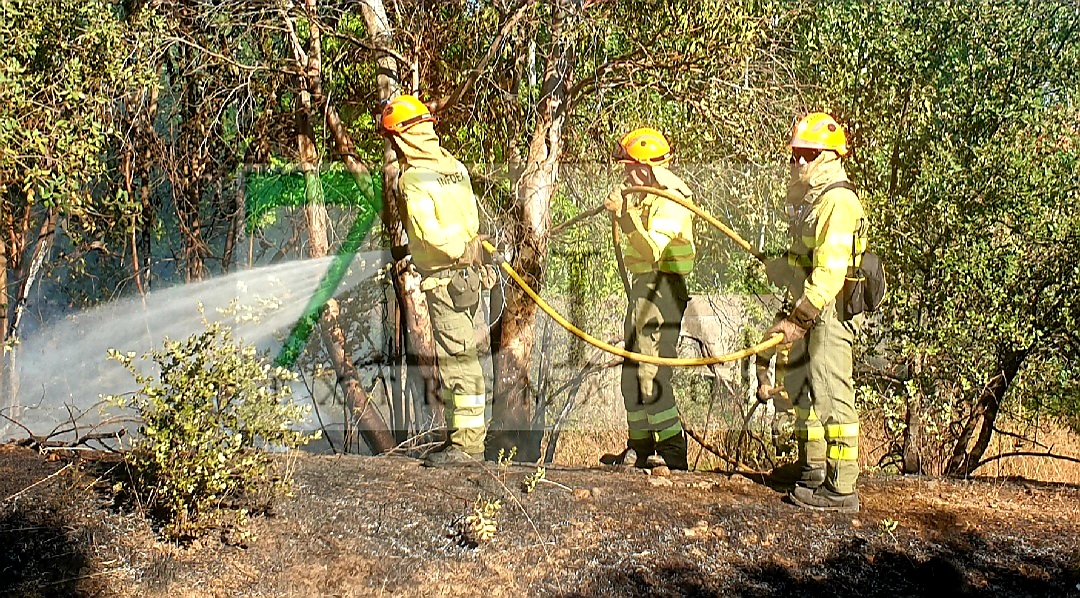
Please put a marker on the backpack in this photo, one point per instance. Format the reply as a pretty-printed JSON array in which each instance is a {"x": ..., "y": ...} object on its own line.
[{"x": 865, "y": 286}]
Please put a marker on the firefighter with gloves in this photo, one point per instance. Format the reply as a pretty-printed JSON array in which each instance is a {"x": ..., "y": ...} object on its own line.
[
  {"x": 827, "y": 225},
  {"x": 658, "y": 245},
  {"x": 441, "y": 218}
]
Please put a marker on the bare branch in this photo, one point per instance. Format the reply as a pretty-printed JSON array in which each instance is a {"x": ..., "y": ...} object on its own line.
[
  {"x": 474, "y": 74},
  {"x": 719, "y": 452},
  {"x": 558, "y": 228},
  {"x": 230, "y": 61},
  {"x": 37, "y": 483},
  {"x": 1019, "y": 437},
  {"x": 1022, "y": 454},
  {"x": 356, "y": 41}
]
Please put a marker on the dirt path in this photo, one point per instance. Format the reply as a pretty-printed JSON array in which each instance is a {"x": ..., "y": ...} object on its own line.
[{"x": 385, "y": 526}]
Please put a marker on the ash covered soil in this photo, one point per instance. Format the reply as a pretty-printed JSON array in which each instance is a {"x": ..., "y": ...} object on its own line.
[{"x": 364, "y": 526}]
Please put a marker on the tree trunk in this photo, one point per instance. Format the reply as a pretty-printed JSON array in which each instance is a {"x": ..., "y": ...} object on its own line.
[
  {"x": 372, "y": 427},
  {"x": 41, "y": 248},
  {"x": 15, "y": 272},
  {"x": 417, "y": 343},
  {"x": 514, "y": 400},
  {"x": 6, "y": 389},
  {"x": 912, "y": 451},
  {"x": 964, "y": 461}
]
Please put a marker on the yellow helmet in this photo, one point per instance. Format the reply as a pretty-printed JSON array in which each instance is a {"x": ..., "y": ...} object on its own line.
[
  {"x": 644, "y": 146},
  {"x": 401, "y": 113},
  {"x": 819, "y": 131}
]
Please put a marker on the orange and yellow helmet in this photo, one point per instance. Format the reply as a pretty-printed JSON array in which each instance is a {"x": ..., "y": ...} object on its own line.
[
  {"x": 644, "y": 146},
  {"x": 819, "y": 131},
  {"x": 401, "y": 113}
]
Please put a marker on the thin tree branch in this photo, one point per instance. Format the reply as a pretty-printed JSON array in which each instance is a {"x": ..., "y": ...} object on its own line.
[
  {"x": 997, "y": 430},
  {"x": 356, "y": 41},
  {"x": 230, "y": 61},
  {"x": 474, "y": 74},
  {"x": 37, "y": 483},
  {"x": 558, "y": 228},
  {"x": 1022, "y": 454}
]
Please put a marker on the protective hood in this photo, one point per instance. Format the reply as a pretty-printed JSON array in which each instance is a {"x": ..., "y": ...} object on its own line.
[
  {"x": 808, "y": 180},
  {"x": 667, "y": 180},
  {"x": 419, "y": 147}
]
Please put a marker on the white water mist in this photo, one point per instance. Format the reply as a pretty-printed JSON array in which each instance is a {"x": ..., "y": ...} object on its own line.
[{"x": 62, "y": 369}]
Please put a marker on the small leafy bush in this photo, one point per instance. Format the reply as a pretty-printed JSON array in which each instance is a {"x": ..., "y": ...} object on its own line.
[{"x": 210, "y": 417}]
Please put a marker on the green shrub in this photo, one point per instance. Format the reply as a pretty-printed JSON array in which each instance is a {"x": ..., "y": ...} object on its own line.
[{"x": 210, "y": 417}]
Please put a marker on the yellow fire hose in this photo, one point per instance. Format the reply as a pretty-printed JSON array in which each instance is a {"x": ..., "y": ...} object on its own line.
[
  {"x": 734, "y": 236},
  {"x": 599, "y": 344}
]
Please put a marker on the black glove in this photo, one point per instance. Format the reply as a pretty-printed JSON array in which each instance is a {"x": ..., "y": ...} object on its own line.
[
  {"x": 778, "y": 271},
  {"x": 795, "y": 326}
]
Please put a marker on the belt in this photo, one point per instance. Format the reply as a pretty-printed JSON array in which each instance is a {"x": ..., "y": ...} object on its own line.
[{"x": 442, "y": 273}]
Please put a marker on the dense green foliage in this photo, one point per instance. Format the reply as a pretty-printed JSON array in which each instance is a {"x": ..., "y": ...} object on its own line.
[
  {"x": 964, "y": 118},
  {"x": 63, "y": 64},
  {"x": 138, "y": 128}
]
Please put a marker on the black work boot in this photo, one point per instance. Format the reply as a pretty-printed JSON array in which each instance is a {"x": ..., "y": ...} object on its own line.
[
  {"x": 673, "y": 450},
  {"x": 805, "y": 476},
  {"x": 636, "y": 453},
  {"x": 825, "y": 499},
  {"x": 628, "y": 456}
]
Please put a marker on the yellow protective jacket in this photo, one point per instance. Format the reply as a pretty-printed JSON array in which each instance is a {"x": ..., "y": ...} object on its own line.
[
  {"x": 826, "y": 229},
  {"x": 659, "y": 232},
  {"x": 440, "y": 215}
]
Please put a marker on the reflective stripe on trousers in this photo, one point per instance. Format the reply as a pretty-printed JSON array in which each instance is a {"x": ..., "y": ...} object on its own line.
[
  {"x": 819, "y": 380},
  {"x": 653, "y": 319},
  {"x": 459, "y": 370}
]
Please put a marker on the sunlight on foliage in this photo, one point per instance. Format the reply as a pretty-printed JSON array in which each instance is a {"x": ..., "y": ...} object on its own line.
[{"x": 209, "y": 417}]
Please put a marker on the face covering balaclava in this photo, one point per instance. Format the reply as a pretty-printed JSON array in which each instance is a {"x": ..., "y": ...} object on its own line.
[
  {"x": 419, "y": 147},
  {"x": 815, "y": 175}
]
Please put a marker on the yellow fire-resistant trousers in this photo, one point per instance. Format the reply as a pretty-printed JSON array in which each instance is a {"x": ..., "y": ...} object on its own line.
[
  {"x": 653, "y": 319},
  {"x": 820, "y": 384},
  {"x": 459, "y": 370}
]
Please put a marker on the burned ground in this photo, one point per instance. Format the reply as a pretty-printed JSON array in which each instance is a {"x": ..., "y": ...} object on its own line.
[{"x": 360, "y": 526}]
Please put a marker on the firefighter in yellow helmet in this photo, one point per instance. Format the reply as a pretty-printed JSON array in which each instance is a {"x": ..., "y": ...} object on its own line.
[
  {"x": 658, "y": 242},
  {"x": 441, "y": 219},
  {"x": 828, "y": 235}
]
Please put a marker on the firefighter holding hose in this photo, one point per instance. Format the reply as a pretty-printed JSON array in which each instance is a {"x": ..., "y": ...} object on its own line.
[
  {"x": 658, "y": 243},
  {"x": 441, "y": 218},
  {"x": 827, "y": 225}
]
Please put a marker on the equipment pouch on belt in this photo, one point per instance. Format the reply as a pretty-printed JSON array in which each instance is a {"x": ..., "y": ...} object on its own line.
[
  {"x": 864, "y": 287},
  {"x": 464, "y": 288}
]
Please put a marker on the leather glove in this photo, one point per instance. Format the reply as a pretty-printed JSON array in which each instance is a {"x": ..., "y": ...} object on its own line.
[
  {"x": 614, "y": 202},
  {"x": 474, "y": 252},
  {"x": 764, "y": 393},
  {"x": 488, "y": 276},
  {"x": 778, "y": 271},
  {"x": 764, "y": 380},
  {"x": 795, "y": 326}
]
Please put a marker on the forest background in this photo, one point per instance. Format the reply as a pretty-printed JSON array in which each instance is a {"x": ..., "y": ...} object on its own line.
[{"x": 137, "y": 137}]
